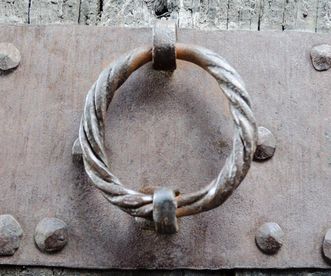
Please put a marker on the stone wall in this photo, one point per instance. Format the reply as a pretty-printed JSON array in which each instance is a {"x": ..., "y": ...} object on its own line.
[{"x": 303, "y": 15}]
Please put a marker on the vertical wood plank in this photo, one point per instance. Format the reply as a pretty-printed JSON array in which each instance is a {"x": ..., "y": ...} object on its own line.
[
  {"x": 300, "y": 15},
  {"x": 243, "y": 14},
  {"x": 272, "y": 15},
  {"x": 54, "y": 11},
  {"x": 127, "y": 13},
  {"x": 217, "y": 14},
  {"x": 14, "y": 11},
  {"x": 305, "y": 16},
  {"x": 323, "y": 23},
  {"x": 90, "y": 12}
]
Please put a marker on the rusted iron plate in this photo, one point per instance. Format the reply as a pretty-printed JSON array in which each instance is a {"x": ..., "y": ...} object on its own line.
[{"x": 171, "y": 130}]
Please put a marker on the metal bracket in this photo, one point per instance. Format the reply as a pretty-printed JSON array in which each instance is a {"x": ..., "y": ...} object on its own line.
[
  {"x": 164, "y": 50},
  {"x": 164, "y": 211}
]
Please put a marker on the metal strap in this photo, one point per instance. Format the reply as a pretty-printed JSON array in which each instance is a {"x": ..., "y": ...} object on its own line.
[
  {"x": 164, "y": 50},
  {"x": 164, "y": 211}
]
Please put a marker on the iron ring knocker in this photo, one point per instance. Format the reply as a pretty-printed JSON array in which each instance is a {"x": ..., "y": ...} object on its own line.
[{"x": 164, "y": 206}]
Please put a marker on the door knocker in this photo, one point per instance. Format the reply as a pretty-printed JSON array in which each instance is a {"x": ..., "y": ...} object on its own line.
[{"x": 164, "y": 206}]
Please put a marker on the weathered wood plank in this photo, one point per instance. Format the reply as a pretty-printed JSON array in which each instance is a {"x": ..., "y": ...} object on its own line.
[
  {"x": 126, "y": 13},
  {"x": 323, "y": 22},
  {"x": 304, "y": 15},
  {"x": 272, "y": 14},
  {"x": 14, "y": 11},
  {"x": 90, "y": 12},
  {"x": 301, "y": 15},
  {"x": 216, "y": 15},
  {"x": 54, "y": 11},
  {"x": 243, "y": 14}
]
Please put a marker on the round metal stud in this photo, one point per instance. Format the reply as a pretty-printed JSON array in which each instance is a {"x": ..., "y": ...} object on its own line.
[
  {"x": 10, "y": 56},
  {"x": 321, "y": 57},
  {"x": 77, "y": 152},
  {"x": 269, "y": 238},
  {"x": 266, "y": 145},
  {"x": 51, "y": 235},
  {"x": 327, "y": 245},
  {"x": 10, "y": 235}
]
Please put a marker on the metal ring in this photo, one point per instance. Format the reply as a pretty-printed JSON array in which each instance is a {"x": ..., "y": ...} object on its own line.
[{"x": 92, "y": 134}]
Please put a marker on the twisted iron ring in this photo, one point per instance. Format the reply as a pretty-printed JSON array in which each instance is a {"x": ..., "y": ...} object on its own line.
[{"x": 92, "y": 134}]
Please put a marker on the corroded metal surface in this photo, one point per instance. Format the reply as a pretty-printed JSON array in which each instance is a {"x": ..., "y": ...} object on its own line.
[{"x": 175, "y": 130}]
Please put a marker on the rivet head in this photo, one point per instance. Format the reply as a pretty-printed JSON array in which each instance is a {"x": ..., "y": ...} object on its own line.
[
  {"x": 10, "y": 235},
  {"x": 321, "y": 57},
  {"x": 269, "y": 238},
  {"x": 327, "y": 245},
  {"x": 10, "y": 56},
  {"x": 51, "y": 235},
  {"x": 77, "y": 152},
  {"x": 266, "y": 145}
]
